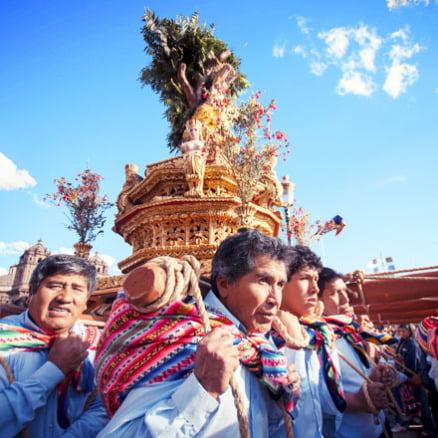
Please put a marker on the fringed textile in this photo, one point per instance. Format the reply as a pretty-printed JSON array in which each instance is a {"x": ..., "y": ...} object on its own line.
[
  {"x": 14, "y": 338},
  {"x": 347, "y": 327},
  {"x": 141, "y": 349},
  {"x": 321, "y": 340}
]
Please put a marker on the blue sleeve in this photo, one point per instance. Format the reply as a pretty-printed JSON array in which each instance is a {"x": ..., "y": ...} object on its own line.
[
  {"x": 90, "y": 423},
  {"x": 19, "y": 400},
  {"x": 167, "y": 410}
]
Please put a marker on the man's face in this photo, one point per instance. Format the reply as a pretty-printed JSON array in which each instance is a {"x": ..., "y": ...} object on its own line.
[
  {"x": 404, "y": 333},
  {"x": 300, "y": 294},
  {"x": 335, "y": 298},
  {"x": 59, "y": 301},
  {"x": 255, "y": 298}
]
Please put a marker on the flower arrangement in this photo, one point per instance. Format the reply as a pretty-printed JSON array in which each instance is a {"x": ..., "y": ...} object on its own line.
[
  {"x": 244, "y": 138},
  {"x": 299, "y": 228},
  {"x": 85, "y": 206}
]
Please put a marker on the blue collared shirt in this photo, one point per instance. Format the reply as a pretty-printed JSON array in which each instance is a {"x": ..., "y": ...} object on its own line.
[
  {"x": 314, "y": 396},
  {"x": 32, "y": 400},
  {"x": 355, "y": 424},
  {"x": 184, "y": 408}
]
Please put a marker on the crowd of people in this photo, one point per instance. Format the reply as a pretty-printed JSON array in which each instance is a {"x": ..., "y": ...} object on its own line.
[{"x": 274, "y": 349}]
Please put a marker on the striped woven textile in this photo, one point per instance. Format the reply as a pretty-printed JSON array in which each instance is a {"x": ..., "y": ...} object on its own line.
[
  {"x": 140, "y": 349},
  {"x": 426, "y": 335},
  {"x": 321, "y": 340},
  {"x": 347, "y": 327},
  {"x": 14, "y": 338}
]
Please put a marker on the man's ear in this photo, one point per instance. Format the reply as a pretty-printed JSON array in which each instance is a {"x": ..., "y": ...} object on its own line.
[
  {"x": 222, "y": 286},
  {"x": 29, "y": 295}
]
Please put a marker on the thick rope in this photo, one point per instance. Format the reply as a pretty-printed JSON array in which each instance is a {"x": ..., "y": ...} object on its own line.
[{"x": 365, "y": 391}]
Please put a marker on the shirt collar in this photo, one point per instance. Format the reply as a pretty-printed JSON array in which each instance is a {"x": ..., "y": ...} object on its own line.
[{"x": 213, "y": 301}]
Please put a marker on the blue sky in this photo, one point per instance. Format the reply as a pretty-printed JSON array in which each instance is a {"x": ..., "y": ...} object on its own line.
[{"x": 356, "y": 85}]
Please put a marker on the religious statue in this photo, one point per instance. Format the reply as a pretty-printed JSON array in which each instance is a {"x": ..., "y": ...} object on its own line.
[
  {"x": 132, "y": 178},
  {"x": 192, "y": 148}
]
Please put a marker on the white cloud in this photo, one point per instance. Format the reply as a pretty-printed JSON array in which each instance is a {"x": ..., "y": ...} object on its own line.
[
  {"x": 300, "y": 50},
  {"x": 394, "y": 4},
  {"x": 318, "y": 68},
  {"x": 36, "y": 199},
  {"x": 354, "y": 52},
  {"x": 63, "y": 250},
  {"x": 399, "y": 77},
  {"x": 353, "y": 82},
  {"x": 3, "y": 271},
  {"x": 17, "y": 247},
  {"x": 337, "y": 40},
  {"x": 302, "y": 25},
  {"x": 12, "y": 178},
  {"x": 279, "y": 50}
]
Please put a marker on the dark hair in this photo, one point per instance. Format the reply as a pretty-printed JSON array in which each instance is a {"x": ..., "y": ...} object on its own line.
[
  {"x": 327, "y": 275},
  {"x": 408, "y": 327},
  {"x": 236, "y": 255},
  {"x": 66, "y": 263},
  {"x": 302, "y": 256}
]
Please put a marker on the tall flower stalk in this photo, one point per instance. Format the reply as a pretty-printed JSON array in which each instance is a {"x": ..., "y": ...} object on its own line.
[
  {"x": 85, "y": 206},
  {"x": 245, "y": 139}
]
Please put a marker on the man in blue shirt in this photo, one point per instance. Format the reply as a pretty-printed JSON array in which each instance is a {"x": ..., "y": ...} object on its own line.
[
  {"x": 358, "y": 419},
  {"x": 248, "y": 275},
  {"x": 309, "y": 347},
  {"x": 49, "y": 354}
]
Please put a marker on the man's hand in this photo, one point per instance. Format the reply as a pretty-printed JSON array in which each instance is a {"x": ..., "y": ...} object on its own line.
[
  {"x": 68, "y": 351},
  {"x": 293, "y": 379},
  {"x": 381, "y": 373},
  {"x": 358, "y": 403},
  {"x": 215, "y": 361},
  {"x": 378, "y": 396}
]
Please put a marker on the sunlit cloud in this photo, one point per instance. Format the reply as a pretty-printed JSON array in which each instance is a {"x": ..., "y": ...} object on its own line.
[
  {"x": 64, "y": 250},
  {"x": 17, "y": 247},
  {"x": 353, "y": 82},
  {"x": 365, "y": 60},
  {"x": 394, "y": 4},
  {"x": 401, "y": 74},
  {"x": 3, "y": 271},
  {"x": 279, "y": 50},
  {"x": 38, "y": 201},
  {"x": 399, "y": 77},
  {"x": 300, "y": 50},
  {"x": 302, "y": 25},
  {"x": 12, "y": 178},
  {"x": 337, "y": 41},
  {"x": 318, "y": 68}
]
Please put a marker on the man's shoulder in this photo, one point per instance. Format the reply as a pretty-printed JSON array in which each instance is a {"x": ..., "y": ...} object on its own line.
[{"x": 17, "y": 319}]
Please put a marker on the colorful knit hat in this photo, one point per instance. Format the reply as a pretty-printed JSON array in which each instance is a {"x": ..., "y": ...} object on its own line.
[{"x": 427, "y": 335}]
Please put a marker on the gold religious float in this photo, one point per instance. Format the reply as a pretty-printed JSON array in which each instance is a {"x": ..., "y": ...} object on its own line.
[{"x": 174, "y": 211}]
